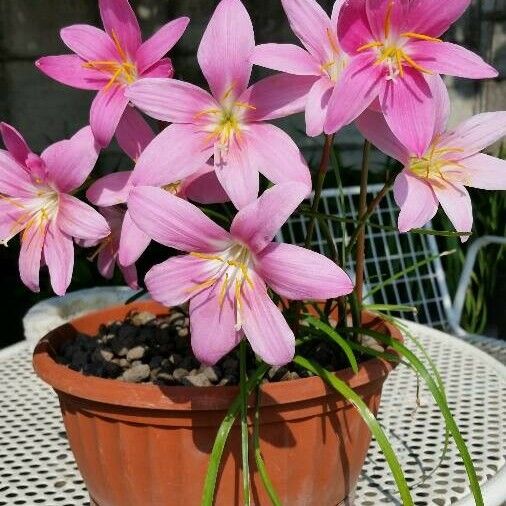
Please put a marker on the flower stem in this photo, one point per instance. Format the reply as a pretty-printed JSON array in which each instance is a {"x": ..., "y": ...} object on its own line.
[
  {"x": 362, "y": 210},
  {"x": 320, "y": 179},
  {"x": 244, "y": 423}
]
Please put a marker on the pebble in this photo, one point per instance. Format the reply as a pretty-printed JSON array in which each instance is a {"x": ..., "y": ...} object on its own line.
[
  {"x": 196, "y": 380},
  {"x": 136, "y": 374},
  {"x": 136, "y": 353}
]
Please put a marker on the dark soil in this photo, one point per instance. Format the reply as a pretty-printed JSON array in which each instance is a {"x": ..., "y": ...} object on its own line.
[{"x": 145, "y": 348}]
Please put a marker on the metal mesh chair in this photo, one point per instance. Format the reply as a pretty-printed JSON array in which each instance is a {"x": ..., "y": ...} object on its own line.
[{"x": 389, "y": 253}]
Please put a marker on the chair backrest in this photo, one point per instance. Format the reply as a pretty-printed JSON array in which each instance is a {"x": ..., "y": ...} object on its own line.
[{"x": 387, "y": 253}]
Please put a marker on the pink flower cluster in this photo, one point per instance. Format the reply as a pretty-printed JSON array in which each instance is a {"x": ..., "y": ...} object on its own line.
[{"x": 373, "y": 62}]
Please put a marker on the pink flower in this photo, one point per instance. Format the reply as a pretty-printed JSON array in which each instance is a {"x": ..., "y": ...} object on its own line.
[
  {"x": 134, "y": 136},
  {"x": 451, "y": 162},
  {"x": 396, "y": 52},
  {"x": 322, "y": 56},
  {"x": 228, "y": 123},
  {"x": 35, "y": 197},
  {"x": 112, "y": 61},
  {"x": 225, "y": 275},
  {"x": 107, "y": 251}
]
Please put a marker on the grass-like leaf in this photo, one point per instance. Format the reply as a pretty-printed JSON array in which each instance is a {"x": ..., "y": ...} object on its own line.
[
  {"x": 334, "y": 336},
  {"x": 222, "y": 436},
  {"x": 369, "y": 418},
  {"x": 405, "y": 271},
  {"x": 440, "y": 398},
  {"x": 244, "y": 424},
  {"x": 262, "y": 470}
]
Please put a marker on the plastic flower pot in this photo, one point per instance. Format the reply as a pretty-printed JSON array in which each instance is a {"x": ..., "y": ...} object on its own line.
[{"x": 142, "y": 444}]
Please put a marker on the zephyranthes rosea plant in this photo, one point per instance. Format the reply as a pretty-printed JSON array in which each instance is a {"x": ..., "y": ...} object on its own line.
[{"x": 373, "y": 62}]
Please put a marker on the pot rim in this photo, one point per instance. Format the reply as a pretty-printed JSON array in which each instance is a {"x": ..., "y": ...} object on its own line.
[{"x": 181, "y": 398}]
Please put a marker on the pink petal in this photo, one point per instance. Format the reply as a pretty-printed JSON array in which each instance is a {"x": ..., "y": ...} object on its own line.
[
  {"x": 377, "y": 12},
  {"x": 163, "y": 68},
  {"x": 236, "y": 172},
  {"x": 299, "y": 274},
  {"x": 13, "y": 218},
  {"x": 159, "y": 44},
  {"x": 133, "y": 133},
  {"x": 106, "y": 262},
  {"x": 111, "y": 189},
  {"x": 130, "y": 276},
  {"x": 336, "y": 11},
  {"x": 265, "y": 327},
  {"x": 286, "y": 58},
  {"x": 226, "y": 47},
  {"x": 277, "y": 96},
  {"x": 30, "y": 255},
  {"x": 257, "y": 224},
  {"x": 476, "y": 133},
  {"x": 69, "y": 162},
  {"x": 170, "y": 100},
  {"x": 106, "y": 111},
  {"x": 431, "y": 17},
  {"x": 59, "y": 257},
  {"x": 456, "y": 203},
  {"x": 409, "y": 110},
  {"x": 174, "y": 222},
  {"x": 133, "y": 242},
  {"x": 353, "y": 29},
  {"x": 374, "y": 128},
  {"x": 69, "y": 69},
  {"x": 158, "y": 166},
  {"x": 317, "y": 106},
  {"x": 450, "y": 59},
  {"x": 203, "y": 187},
  {"x": 15, "y": 143},
  {"x": 77, "y": 219},
  {"x": 442, "y": 104},
  {"x": 212, "y": 326},
  {"x": 176, "y": 280},
  {"x": 120, "y": 21},
  {"x": 89, "y": 42},
  {"x": 359, "y": 86},
  {"x": 416, "y": 199},
  {"x": 15, "y": 180},
  {"x": 310, "y": 23},
  {"x": 276, "y": 155},
  {"x": 484, "y": 171}
]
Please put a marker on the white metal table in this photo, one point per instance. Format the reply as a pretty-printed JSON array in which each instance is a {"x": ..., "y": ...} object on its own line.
[{"x": 37, "y": 467}]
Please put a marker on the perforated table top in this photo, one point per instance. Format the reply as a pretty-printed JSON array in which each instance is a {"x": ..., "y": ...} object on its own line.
[{"x": 37, "y": 467}]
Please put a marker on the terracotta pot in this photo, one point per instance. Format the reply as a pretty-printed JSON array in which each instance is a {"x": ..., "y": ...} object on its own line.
[{"x": 146, "y": 445}]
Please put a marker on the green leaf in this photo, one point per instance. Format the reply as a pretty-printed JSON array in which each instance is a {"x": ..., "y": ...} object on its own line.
[
  {"x": 409, "y": 269},
  {"x": 417, "y": 365},
  {"x": 441, "y": 233},
  {"x": 334, "y": 336},
  {"x": 222, "y": 436},
  {"x": 369, "y": 418},
  {"x": 244, "y": 424},
  {"x": 391, "y": 307},
  {"x": 262, "y": 470}
]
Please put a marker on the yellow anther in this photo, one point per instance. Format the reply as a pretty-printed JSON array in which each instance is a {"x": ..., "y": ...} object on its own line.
[
  {"x": 370, "y": 45},
  {"x": 117, "y": 43},
  {"x": 201, "y": 286},
  {"x": 245, "y": 105},
  {"x": 228, "y": 92},
  {"x": 420, "y": 36}
]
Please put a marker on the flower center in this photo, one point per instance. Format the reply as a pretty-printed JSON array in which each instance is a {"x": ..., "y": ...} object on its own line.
[
  {"x": 391, "y": 51},
  {"x": 233, "y": 270},
  {"x": 336, "y": 61},
  {"x": 226, "y": 122},
  {"x": 38, "y": 211},
  {"x": 121, "y": 72},
  {"x": 438, "y": 164}
]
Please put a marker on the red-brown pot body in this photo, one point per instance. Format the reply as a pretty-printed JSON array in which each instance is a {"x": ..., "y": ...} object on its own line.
[{"x": 146, "y": 445}]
